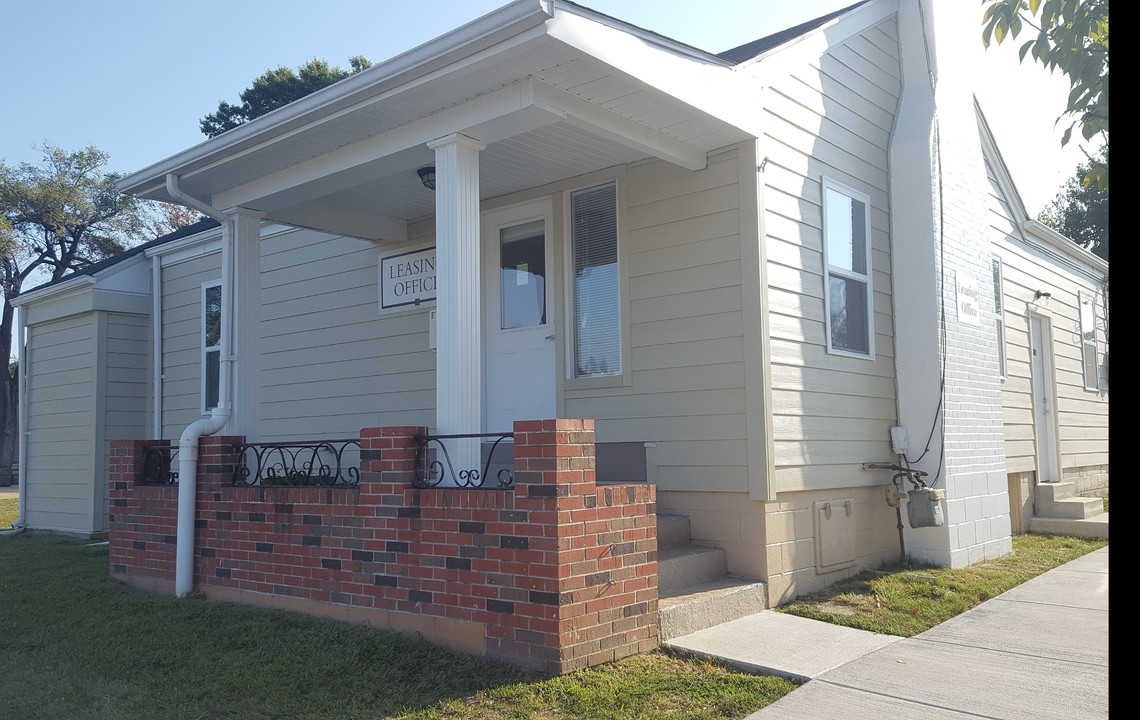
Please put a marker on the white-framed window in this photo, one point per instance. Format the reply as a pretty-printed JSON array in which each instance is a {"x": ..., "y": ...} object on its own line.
[
  {"x": 999, "y": 316},
  {"x": 1088, "y": 341},
  {"x": 847, "y": 282},
  {"x": 595, "y": 282},
  {"x": 211, "y": 343}
]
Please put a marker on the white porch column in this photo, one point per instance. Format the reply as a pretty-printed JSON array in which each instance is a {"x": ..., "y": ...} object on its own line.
[
  {"x": 459, "y": 318},
  {"x": 245, "y": 306}
]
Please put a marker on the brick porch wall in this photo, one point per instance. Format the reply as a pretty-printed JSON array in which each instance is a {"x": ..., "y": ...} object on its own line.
[{"x": 555, "y": 574}]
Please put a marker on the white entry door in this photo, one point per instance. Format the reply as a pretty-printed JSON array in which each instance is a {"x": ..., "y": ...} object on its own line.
[
  {"x": 519, "y": 366},
  {"x": 1044, "y": 398}
]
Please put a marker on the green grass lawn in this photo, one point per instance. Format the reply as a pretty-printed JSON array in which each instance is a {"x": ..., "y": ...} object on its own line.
[
  {"x": 9, "y": 510},
  {"x": 76, "y": 644},
  {"x": 906, "y": 600}
]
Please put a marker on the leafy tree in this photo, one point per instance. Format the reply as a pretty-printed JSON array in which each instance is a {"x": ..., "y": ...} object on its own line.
[
  {"x": 56, "y": 217},
  {"x": 276, "y": 88},
  {"x": 161, "y": 218},
  {"x": 1080, "y": 211},
  {"x": 1072, "y": 36}
]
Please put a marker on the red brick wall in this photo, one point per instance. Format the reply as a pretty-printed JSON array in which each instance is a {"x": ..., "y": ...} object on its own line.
[{"x": 558, "y": 573}]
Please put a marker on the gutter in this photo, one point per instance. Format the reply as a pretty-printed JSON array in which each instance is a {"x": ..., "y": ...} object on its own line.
[{"x": 188, "y": 443}]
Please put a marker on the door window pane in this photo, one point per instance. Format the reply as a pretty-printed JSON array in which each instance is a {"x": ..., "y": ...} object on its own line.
[{"x": 522, "y": 275}]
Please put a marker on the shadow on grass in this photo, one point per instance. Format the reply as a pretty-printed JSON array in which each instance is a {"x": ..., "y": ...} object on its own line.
[
  {"x": 906, "y": 599},
  {"x": 71, "y": 638},
  {"x": 76, "y": 644}
]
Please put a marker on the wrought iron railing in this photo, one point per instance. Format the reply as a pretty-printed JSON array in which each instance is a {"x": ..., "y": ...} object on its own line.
[
  {"x": 434, "y": 466},
  {"x": 159, "y": 466},
  {"x": 313, "y": 463}
]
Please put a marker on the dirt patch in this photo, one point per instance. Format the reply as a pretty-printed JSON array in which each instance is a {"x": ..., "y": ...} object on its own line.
[{"x": 834, "y": 608}]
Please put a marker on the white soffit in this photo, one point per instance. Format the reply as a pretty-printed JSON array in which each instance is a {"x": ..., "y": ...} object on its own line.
[
  {"x": 554, "y": 99},
  {"x": 700, "y": 80}
]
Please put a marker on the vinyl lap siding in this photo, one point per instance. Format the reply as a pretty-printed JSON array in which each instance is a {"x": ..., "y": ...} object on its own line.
[
  {"x": 330, "y": 362},
  {"x": 125, "y": 380},
  {"x": 182, "y": 340},
  {"x": 124, "y": 383},
  {"x": 61, "y": 415},
  {"x": 682, "y": 266},
  {"x": 1082, "y": 414},
  {"x": 832, "y": 118}
]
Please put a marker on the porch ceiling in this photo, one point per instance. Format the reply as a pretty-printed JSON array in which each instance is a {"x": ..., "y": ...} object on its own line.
[{"x": 546, "y": 105}]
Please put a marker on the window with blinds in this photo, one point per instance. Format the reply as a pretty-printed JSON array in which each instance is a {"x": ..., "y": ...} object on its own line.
[
  {"x": 597, "y": 296},
  {"x": 999, "y": 316},
  {"x": 1088, "y": 341}
]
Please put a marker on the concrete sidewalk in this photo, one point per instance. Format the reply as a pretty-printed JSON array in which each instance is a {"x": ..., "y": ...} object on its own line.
[{"x": 1037, "y": 651}]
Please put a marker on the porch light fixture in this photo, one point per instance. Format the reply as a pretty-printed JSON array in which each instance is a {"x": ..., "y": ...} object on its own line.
[
  {"x": 1036, "y": 296},
  {"x": 427, "y": 176}
]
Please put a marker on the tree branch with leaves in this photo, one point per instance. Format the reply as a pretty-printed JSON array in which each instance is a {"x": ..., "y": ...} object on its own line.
[
  {"x": 276, "y": 88},
  {"x": 55, "y": 218},
  {"x": 1072, "y": 37}
]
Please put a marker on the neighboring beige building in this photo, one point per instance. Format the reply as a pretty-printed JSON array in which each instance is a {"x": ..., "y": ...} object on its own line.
[
  {"x": 1055, "y": 355},
  {"x": 733, "y": 263}
]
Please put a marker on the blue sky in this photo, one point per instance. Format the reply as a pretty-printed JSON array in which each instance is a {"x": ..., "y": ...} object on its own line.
[{"x": 134, "y": 77}]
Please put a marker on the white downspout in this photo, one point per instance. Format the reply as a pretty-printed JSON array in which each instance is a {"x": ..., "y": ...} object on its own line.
[
  {"x": 156, "y": 343},
  {"x": 188, "y": 443},
  {"x": 22, "y": 399}
]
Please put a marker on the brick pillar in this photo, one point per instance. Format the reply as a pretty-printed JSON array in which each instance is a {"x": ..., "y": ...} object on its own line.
[
  {"x": 387, "y": 467},
  {"x": 214, "y": 523},
  {"x": 602, "y": 564},
  {"x": 141, "y": 540}
]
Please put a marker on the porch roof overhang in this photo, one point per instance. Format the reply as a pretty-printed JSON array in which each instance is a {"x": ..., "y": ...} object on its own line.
[{"x": 553, "y": 91}]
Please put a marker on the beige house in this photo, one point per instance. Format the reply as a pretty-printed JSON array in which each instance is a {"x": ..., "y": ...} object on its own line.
[
  {"x": 740, "y": 265},
  {"x": 1054, "y": 359}
]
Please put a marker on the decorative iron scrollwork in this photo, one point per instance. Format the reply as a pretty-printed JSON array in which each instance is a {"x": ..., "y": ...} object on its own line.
[
  {"x": 297, "y": 464},
  {"x": 434, "y": 467},
  {"x": 158, "y": 465}
]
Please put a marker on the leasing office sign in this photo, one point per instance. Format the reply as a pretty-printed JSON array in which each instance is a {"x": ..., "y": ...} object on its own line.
[{"x": 407, "y": 279}]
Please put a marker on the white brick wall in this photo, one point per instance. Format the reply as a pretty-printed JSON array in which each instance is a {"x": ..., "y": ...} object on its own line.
[{"x": 967, "y": 453}]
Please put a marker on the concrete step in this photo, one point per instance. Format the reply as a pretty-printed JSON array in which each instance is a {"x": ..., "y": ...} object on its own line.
[
  {"x": 696, "y": 607},
  {"x": 1093, "y": 527},
  {"x": 689, "y": 565},
  {"x": 1051, "y": 492},
  {"x": 1076, "y": 508},
  {"x": 672, "y": 531}
]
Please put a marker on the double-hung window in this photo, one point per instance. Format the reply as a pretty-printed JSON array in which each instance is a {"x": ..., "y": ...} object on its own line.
[
  {"x": 999, "y": 316},
  {"x": 211, "y": 343},
  {"x": 595, "y": 282},
  {"x": 847, "y": 258},
  {"x": 1088, "y": 341}
]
